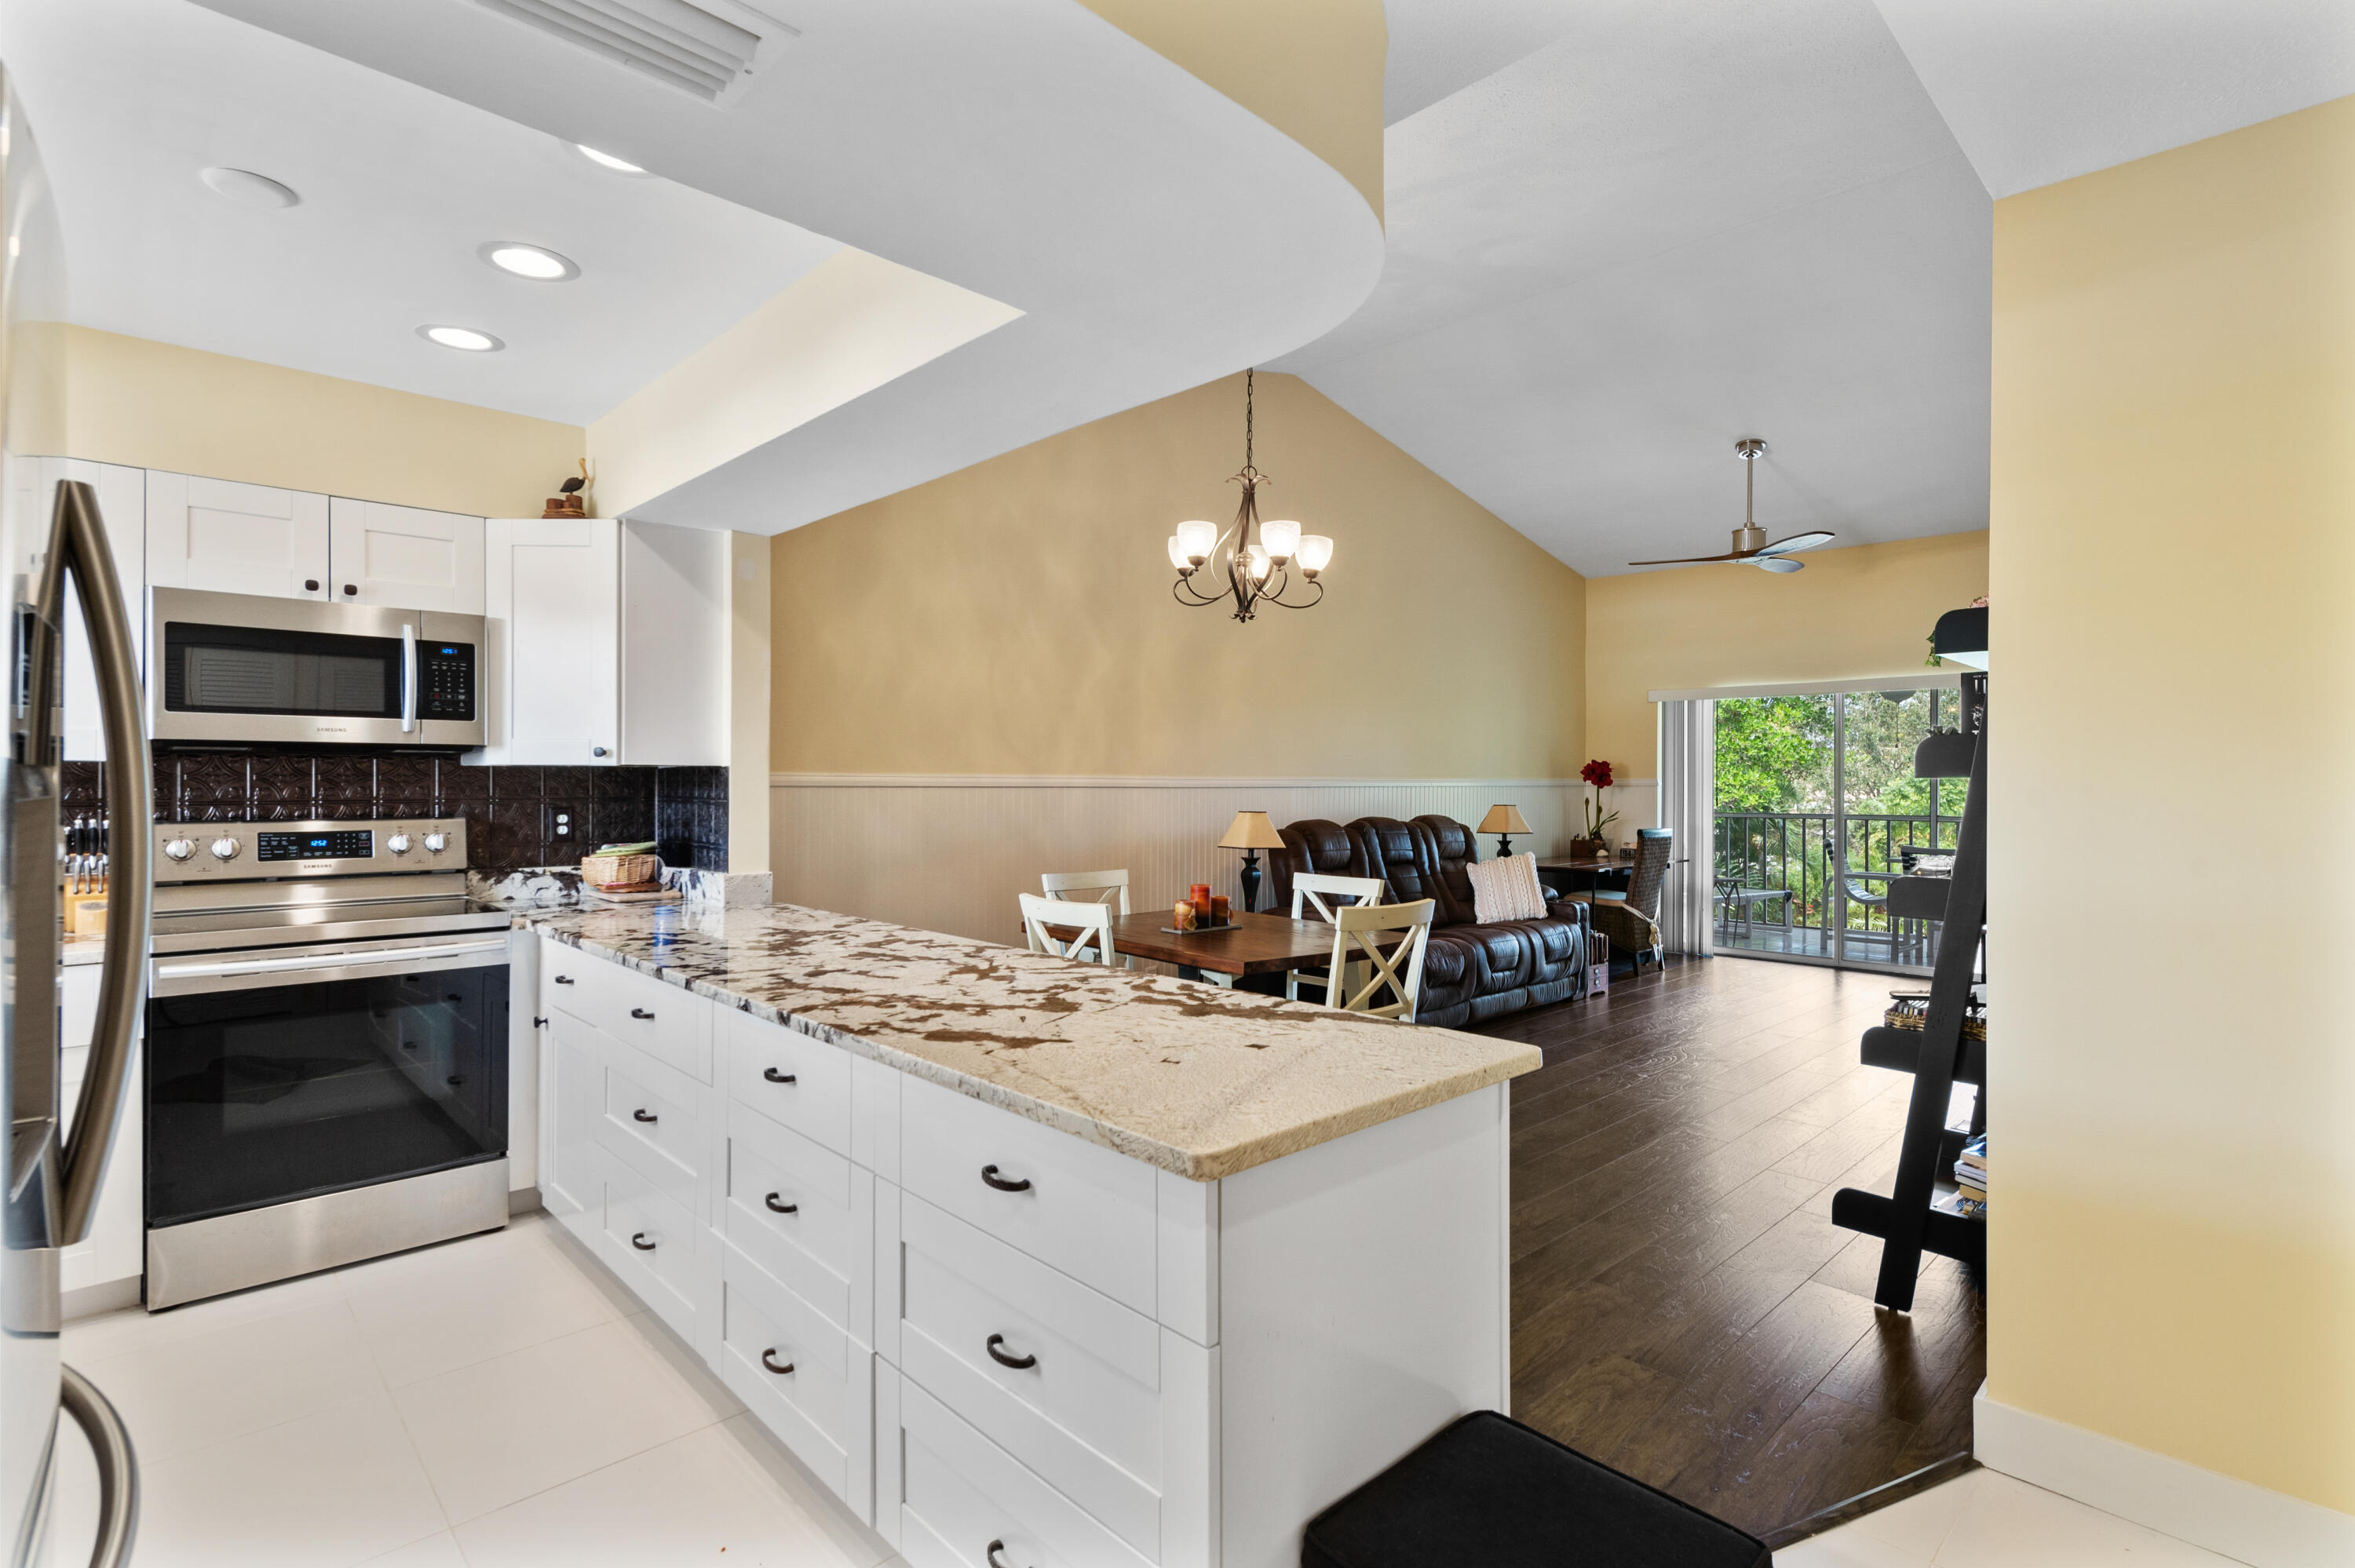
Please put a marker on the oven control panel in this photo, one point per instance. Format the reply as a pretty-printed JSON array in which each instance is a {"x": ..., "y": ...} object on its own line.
[{"x": 221, "y": 851}]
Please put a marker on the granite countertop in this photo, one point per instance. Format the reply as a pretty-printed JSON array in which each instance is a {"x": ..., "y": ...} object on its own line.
[{"x": 1193, "y": 1078}]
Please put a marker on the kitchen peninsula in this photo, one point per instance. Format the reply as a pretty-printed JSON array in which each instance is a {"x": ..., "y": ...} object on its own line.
[{"x": 1030, "y": 1261}]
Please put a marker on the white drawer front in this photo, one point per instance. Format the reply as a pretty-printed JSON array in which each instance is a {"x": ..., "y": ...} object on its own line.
[
  {"x": 785, "y": 1074},
  {"x": 801, "y": 1376},
  {"x": 803, "y": 1212},
  {"x": 1085, "y": 1414},
  {"x": 1086, "y": 1210},
  {"x": 959, "y": 1493},
  {"x": 667, "y": 1022},
  {"x": 650, "y": 1118},
  {"x": 655, "y": 1244}
]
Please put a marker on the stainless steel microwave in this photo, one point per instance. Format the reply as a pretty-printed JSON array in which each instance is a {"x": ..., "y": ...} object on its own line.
[{"x": 241, "y": 668}]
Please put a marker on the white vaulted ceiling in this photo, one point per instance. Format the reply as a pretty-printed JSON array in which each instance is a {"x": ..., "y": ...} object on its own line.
[{"x": 1622, "y": 234}]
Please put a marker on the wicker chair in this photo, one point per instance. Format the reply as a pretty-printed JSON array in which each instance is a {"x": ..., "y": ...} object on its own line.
[{"x": 1631, "y": 920}]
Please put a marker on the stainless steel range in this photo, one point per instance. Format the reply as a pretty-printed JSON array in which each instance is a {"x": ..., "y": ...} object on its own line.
[{"x": 327, "y": 1050}]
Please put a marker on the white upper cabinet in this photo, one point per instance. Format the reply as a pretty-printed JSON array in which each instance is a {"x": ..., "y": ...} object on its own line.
[
  {"x": 120, "y": 504},
  {"x": 607, "y": 643},
  {"x": 552, "y": 676},
  {"x": 408, "y": 558},
  {"x": 235, "y": 538}
]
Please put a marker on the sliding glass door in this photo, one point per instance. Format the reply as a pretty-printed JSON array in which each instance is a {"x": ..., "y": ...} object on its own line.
[{"x": 1818, "y": 810}]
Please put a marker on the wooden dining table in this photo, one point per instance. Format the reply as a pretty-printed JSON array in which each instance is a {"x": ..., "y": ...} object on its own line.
[{"x": 1251, "y": 945}]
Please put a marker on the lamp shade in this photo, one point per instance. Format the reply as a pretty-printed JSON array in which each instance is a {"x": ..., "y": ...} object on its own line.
[
  {"x": 1251, "y": 831},
  {"x": 1282, "y": 538},
  {"x": 1198, "y": 538},
  {"x": 1961, "y": 635},
  {"x": 1504, "y": 820}
]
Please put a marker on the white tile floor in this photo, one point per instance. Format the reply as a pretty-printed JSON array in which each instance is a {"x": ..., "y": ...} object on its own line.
[
  {"x": 494, "y": 1402},
  {"x": 1984, "y": 1520},
  {"x": 502, "y": 1402}
]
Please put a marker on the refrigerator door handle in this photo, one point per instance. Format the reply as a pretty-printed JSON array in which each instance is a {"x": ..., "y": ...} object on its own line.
[
  {"x": 118, "y": 1468},
  {"x": 77, "y": 544}
]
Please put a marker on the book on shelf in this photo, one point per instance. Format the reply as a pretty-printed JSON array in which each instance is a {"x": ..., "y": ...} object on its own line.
[{"x": 1960, "y": 1204}]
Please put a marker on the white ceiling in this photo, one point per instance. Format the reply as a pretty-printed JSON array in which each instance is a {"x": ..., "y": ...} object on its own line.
[
  {"x": 400, "y": 186},
  {"x": 1624, "y": 233},
  {"x": 2038, "y": 90},
  {"x": 1672, "y": 226},
  {"x": 1025, "y": 149}
]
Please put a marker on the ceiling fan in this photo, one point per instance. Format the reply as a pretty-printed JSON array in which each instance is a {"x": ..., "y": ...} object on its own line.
[{"x": 1750, "y": 545}]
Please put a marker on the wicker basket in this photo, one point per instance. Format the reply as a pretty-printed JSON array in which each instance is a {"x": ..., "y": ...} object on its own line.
[
  {"x": 1913, "y": 1015},
  {"x": 610, "y": 869}
]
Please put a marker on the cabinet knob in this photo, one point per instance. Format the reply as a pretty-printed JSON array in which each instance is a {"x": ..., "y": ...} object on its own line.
[
  {"x": 310, "y": 584},
  {"x": 352, "y": 589},
  {"x": 596, "y": 751}
]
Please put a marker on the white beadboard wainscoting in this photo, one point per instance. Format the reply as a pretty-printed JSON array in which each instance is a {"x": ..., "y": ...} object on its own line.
[{"x": 949, "y": 851}]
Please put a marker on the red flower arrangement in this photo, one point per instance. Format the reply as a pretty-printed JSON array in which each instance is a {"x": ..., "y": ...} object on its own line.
[{"x": 1597, "y": 773}]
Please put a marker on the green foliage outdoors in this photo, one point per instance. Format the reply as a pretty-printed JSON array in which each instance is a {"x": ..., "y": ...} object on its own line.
[{"x": 1774, "y": 758}]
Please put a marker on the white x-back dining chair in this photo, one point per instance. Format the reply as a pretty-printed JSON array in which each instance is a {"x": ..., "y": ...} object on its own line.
[
  {"x": 1091, "y": 922},
  {"x": 1310, "y": 890},
  {"x": 1109, "y": 888},
  {"x": 1400, "y": 971}
]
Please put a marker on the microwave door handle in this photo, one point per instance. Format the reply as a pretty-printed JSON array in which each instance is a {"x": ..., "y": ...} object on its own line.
[
  {"x": 407, "y": 679},
  {"x": 79, "y": 545}
]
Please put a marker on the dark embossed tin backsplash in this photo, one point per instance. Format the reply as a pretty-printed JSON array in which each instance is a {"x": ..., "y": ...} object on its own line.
[{"x": 515, "y": 816}]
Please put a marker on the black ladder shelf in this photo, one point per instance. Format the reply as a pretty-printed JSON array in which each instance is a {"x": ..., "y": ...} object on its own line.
[{"x": 1938, "y": 1055}]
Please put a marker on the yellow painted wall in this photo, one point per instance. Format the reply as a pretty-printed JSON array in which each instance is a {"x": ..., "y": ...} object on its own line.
[
  {"x": 2172, "y": 1253},
  {"x": 1863, "y": 611},
  {"x": 1015, "y": 618},
  {"x": 1312, "y": 69},
  {"x": 152, "y": 405}
]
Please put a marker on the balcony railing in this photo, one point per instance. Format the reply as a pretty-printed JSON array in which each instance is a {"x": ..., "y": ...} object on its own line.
[{"x": 1834, "y": 909}]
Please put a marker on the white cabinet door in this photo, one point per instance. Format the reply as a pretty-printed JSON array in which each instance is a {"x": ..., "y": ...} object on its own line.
[
  {"x": 121, "y": 507},
  {"x": 552, "y": 632},
  {"x": 405, "y": 558},
  {"x": 235, "y": 538},
  {"x": 116, "y": 1247}
]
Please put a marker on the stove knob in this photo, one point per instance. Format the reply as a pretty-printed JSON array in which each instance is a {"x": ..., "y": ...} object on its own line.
[
  {"x": 436, "y": 842},
  {"x": 179, "y": 849},
  {"x": 224, "y": 849},
  {"x": 398, "y": 844}
]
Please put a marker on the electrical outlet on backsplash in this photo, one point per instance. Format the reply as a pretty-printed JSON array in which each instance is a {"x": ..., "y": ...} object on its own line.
[{"x": 515, "y": 816}]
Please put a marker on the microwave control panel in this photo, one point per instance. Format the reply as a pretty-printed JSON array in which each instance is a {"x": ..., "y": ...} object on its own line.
[{"x": 445, "y": 680}]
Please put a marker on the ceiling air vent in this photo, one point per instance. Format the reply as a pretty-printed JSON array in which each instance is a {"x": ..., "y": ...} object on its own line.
[{"x": 707, "y": 47}]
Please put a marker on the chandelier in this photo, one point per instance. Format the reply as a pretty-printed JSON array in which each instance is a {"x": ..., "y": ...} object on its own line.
[{"x": 1255, "y": 558}]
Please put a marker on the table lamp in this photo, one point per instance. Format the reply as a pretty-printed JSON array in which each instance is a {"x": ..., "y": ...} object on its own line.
[
  {"x": 1504, "y": 822},
  {"x": 1251, "y": 833}
]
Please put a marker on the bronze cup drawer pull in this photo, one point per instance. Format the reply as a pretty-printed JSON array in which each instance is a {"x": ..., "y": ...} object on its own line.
[
  {"x": 771, "y": 1365},
  {"x": 776, "y": 1077},
  {"x": 642, "y": 1013},
  {"x": 640, "y": 1242},
  {"x": 1019, "y": 1363},
  {"x": 990, "y": 1176},
  {"x": 995, "y": 1560},
  {"x": 564, "y": 980},
  {"x": 776, "y": 1201},
  {"x": 644, "y": 1116}
]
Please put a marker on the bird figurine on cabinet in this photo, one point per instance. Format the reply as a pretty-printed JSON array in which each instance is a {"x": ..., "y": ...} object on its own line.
[{"x": 569, "y": 501}]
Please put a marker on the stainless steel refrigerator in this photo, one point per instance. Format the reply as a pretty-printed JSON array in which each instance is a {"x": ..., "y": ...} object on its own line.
[{"x": 53, "y": 1170}]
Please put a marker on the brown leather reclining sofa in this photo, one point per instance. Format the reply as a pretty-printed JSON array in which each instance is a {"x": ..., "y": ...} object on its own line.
[{"x": 1470, "y": 971}]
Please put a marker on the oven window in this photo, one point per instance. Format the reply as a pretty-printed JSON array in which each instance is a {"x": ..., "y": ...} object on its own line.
[
  {"x": 266, "y": 1096},
  {"x": 259, "y": 670}
]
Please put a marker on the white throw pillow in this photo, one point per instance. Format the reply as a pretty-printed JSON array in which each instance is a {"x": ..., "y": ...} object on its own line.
[{"x": 1506, "y": 889}]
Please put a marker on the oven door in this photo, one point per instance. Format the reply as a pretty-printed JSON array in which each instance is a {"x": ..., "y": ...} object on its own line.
[
  {"x": 244, "y": 668},
  {"x": 284, "y": 1073}
]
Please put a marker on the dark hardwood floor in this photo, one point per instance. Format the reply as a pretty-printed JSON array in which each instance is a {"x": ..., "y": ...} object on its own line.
[{"x": 1683, "y": 1307}]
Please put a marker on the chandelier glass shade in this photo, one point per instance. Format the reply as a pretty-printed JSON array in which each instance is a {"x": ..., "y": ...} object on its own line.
[{"x": 1253, "y": 563}]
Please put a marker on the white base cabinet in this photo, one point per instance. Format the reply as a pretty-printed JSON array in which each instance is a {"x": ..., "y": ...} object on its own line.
[{"x": 983, "y": 1333}]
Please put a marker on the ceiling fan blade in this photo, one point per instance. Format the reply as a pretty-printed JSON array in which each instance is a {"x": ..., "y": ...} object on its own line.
[
  {"x": 1797, "y": 542},
  {"x": 1776, "y": 564},
  {"x": 1688, "y": 560}
]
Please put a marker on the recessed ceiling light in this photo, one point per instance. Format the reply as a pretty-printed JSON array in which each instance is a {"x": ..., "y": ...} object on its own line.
[
  {"x": 607, "y": 159},
  {"x": 246, "y": 186},
  {"x": 532, "y": 261},
  {"x": 467, "y": 338}
]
